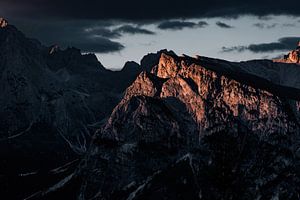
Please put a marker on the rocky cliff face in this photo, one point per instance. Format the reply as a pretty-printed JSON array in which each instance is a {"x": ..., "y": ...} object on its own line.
[
  {"x": 200, "y": 125},
  {"x": 3, "y": 23},
  {"x": 212, "y": 100},
  {"x": 292, "y": 56}
]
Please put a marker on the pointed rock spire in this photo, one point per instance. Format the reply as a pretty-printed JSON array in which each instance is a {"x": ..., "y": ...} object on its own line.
[{"x": 292, "y": 57}]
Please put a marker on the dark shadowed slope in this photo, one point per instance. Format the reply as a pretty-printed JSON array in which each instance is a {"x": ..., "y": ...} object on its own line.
[{"x": 51, "y": 101}]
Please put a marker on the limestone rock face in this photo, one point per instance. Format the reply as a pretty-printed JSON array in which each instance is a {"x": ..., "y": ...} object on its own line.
[
  {"x": 214, "y": 101},
  {"x": 146, "y": 84},
  {"x": 292, "y": 56},
  {"x": 167, "y": 66}
]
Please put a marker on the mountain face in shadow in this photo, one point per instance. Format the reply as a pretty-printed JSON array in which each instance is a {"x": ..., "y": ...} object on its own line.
[
  {"x": 172, "y": 127},
  {"x": 52, "y": 101}
]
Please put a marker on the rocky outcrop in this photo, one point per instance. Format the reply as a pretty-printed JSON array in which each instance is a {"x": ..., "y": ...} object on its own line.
[
  {"x": 150, "y": 60},
  {"x": 214, "y": 101},
  {"x": 291, "y": 57},
  {"x": 3, "y": 23}
]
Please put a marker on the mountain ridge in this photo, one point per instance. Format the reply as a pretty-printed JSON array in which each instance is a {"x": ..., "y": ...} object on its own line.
[
  {"x": 72, "y": 128},
  {"x": 182, "y": 107}
]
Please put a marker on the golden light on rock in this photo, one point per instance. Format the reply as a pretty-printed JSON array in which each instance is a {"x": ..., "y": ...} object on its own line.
[{"x": 3, "y": 22}]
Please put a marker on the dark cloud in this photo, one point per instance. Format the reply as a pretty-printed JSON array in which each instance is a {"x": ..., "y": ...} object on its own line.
[
  {"x": 47, "y": 13},
  {"x": 97, "y": 45},
  {"x": 265, "y": 18},
  {"x": 271, "y": 25},
  {"x": 202, "y": 24},
  {"x": 89, "y": 37},
  {"x": 117, "y": 32},
  {"x": 259, "y": 25},
  {"x": 263, "y": 25},
  {"x": 179, "y": 25},
  {"x": 103, "y": 32},
  {"x": 133, "y": 30},
  {"x": 234, "y": 48},
  {"x": 286, "y": 43},
  {"x": 288, "y": 25},
  {"x": 267, "y": 47},
  {"x": 176, "y": 25},
  {"x": 135, "y": 10},
  {"x": 223, "y": 25}
]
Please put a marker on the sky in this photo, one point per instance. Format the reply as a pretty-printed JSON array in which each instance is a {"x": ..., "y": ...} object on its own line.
[{"x": 119, "y": 31}]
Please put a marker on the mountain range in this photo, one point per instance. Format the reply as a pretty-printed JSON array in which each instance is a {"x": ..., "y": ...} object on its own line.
[{"x": 171, "y": 127}]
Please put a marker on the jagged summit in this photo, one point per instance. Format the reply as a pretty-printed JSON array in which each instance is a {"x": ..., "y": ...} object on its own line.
[
  {"x": 151, "y": 59},
  {"x": 182, "y": 105},
  {"x": 3, "y": 22},
  {"x": 212, "y": 99},
  {"x": 292, "y": 57}
]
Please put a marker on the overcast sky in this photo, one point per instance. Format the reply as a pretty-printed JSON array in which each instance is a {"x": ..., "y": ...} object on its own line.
[{"x": 118, "y": 31}]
